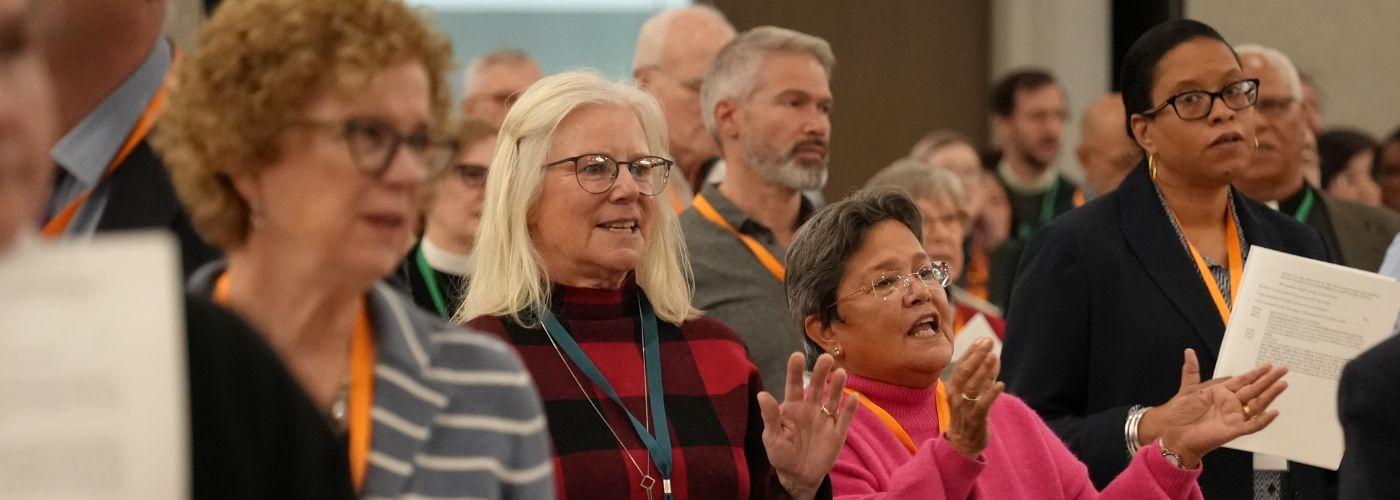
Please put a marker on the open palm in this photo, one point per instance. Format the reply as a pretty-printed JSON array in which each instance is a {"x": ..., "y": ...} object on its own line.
[
  {"x": 801, "y": 439},
  {"x": 1215, "y": 414}
]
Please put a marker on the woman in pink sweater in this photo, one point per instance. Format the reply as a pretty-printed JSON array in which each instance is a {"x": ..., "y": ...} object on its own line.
[{"x": 864, "y": 290}]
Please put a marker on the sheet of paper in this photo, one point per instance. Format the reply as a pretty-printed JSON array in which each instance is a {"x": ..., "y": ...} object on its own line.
[
  {"x": 93, "y": 393},
  {"x": 975, "y": 328},
  {"x": 1312, "y": 317}
]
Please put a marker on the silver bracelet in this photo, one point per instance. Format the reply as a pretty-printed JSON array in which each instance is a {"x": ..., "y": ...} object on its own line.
[{"x": 1130, "y": 429}]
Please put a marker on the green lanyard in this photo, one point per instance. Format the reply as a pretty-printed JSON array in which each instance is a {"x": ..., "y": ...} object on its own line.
[
  {"x": 430, "y": 278},
  {"x": 1305, "y": 207},
  {"x": 1047, "y": 210}
]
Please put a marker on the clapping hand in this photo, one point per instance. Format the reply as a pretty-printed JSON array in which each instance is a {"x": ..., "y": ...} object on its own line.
[
  {"x": 804, "y": 434},
  {"x": 1205, "y": 416},
  {"x": 971, "y": 392}
]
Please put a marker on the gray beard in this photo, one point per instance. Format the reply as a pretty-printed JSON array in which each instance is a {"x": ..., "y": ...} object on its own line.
[{"x": 785, "y": 171}]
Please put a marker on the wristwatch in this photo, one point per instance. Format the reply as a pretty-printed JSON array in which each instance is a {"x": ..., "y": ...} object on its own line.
[{"x": 1170, "y": 456}]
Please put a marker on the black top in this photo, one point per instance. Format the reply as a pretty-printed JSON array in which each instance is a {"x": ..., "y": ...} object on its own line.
[
  {"x": 1317, "y": 216},
  {"x": 1105, "y": 302},
  {"x": 1027, "y": 216},
  {"x": 1371, "y": 420},
  {"x": 142, "y": 197},
  {"x": 254, "y": 433},
  {"x": 411, "y": 279}
]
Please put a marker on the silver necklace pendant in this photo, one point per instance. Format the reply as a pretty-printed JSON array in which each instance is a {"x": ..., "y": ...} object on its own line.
[
  {"x": 647, "y": 483},
  {"x": 340, "y": 407}
]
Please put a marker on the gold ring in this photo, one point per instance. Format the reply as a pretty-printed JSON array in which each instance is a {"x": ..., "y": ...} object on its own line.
[
  {"x": 970, "y": 399},
  {"x": 827, "y": 411},
  {"x": 1247, "y": 414}
]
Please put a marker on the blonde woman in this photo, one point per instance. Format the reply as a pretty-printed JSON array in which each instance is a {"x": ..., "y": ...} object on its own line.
[
  {"x": 579, "y": 269},
  {"x": 298, "y": 136}
]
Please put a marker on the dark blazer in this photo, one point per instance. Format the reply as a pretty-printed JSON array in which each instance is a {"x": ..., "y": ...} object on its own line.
[
  {"x": 1369, "y": 406},
  {"x": 142, "y": 197},
  {"x": 1105, "y": 302},
  {"x": 1007, "y": 256},
  {"x": 253, "y": 432},
  {"x": 1363, "y": 232}
]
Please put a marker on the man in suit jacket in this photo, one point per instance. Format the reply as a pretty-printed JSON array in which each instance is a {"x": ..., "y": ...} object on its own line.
[
  {"x": 1371, "y": 420},
  {"x": 1358, "y": 234},
  {"x": 108, "y": 63}
]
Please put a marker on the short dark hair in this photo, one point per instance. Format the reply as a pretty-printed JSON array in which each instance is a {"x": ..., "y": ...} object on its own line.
[
  {"x": 817, "y": 258},
  {"x": 1336, "y": 147},
  {"x": 1004, "y": 93},
  {"x": 1139, "y": 67}
]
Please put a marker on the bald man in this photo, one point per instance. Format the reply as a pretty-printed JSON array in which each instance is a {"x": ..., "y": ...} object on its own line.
[
  {"x": 109, "y": 64},
  {"x": 494, "y": 81},
  {"x": 674, "y": 48},
  {"x": 1105, "y": 151},
  {"x": 1357, "y": 233}
]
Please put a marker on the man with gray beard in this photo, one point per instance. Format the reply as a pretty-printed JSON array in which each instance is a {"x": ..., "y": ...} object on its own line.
[{"x": 767, "y": 100}]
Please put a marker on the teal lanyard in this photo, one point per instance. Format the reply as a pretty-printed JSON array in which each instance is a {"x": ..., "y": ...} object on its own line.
[
  {"x": 1305, "y": 207},
  {"x": 1047, "y": 210},
  {"x": 430, "y": 278},
  {"x": 659, "y": 444}
]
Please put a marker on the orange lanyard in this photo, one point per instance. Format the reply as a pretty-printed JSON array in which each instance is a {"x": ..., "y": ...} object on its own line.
[
  {"x": 60, "y": 222},
  {"x": 940, "y": 401},
  {"x": 675, "y": 198},
  {"x": 771, "y": 263},
  {"x": 361, "y": 398},
  {"x": 1235, "y": 262}
]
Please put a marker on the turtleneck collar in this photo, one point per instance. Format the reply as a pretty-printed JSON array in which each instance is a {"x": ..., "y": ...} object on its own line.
[
  {"x": 912, "y": 407},
  {"x": 445, "y": 261},
  {"x": 589, "y": 304}
]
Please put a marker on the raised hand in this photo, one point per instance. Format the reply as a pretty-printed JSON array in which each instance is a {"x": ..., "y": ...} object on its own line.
[
  {"x": 1154, "y": 423},
  {"x": 805, "y": 433},
  {"x": 971, "y": 392},
  {"x": 1219, "y": 413}
]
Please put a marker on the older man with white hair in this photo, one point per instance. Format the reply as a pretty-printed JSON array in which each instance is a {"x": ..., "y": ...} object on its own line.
[
  {"x": 1359, "y": 234},
  {"x": 767, "y": 100},
  {"x": 493, "y": 81},
  {"x": 674, "y": 49}
]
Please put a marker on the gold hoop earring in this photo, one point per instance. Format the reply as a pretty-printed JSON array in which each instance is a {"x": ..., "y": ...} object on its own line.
[
  {"x": 1256, "y": 142},
  {"x": 1152, "y": 166}
]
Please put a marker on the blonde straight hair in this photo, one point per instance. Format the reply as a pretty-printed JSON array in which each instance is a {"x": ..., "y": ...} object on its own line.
[{"x": 508, "y": 275}]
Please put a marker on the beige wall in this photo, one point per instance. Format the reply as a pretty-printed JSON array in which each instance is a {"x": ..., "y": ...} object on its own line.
[{"x": 1351, "y": 47}]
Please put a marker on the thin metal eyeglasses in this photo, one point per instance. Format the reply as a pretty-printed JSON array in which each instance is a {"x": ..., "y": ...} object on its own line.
[
  {"x": 596, "y": 172},
  {"x": 1197, "y": 104},
  {"x": 374, "y": 143},
  {"x": 884, "y": 284}
]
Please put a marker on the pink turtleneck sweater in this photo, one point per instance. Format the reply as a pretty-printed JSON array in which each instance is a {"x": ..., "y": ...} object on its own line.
[{"x": 1024, "y": 459}]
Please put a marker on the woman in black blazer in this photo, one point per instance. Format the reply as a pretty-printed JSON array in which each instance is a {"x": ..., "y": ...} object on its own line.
[{"x": 1110, "y": 295}]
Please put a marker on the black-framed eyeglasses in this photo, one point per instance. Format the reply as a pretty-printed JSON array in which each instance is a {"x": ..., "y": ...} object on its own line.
[
  {"x": 596, "y": 172},
  {"x": 884, "y": 284},
  {"x": 1197, "y": 104},
  {"x": 471, "y": 174},
  {"x": 373, "y": 144}
]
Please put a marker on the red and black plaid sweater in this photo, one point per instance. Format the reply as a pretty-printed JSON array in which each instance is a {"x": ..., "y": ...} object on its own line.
[{"x": 710, "y": 385}]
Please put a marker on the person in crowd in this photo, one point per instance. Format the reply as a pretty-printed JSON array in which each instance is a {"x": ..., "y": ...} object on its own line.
[
  {"x": 986, "y": 203},
  {"x": 939, "y": 194},
  {"x": 1357, "y": 234},
  {"x": 1029, "y": 110},
  {"x": 584, "y": 272},
  {"x": 252, "y": 432},
  {"x": 439, "y": 266},
  {"x": 109, "y": 86},
  {"x": 767, "y": 99},
  {"x": 299, "y": 137},
  {"x": 1105, "y": 152},
  {"x": 493, "y": 82},
  {"x": 1347, "y": 158},
  {"x": 1312, "y": 103},
  {"x": 674, "y": 49},
  {"x": 1369, "y": 387},
  {"x": 1110, "y": 293},
  {"x": 1387, "y": 170},
  {"x": 865, "y": 291}
]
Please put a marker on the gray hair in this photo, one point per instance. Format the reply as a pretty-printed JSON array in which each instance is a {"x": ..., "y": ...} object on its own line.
[
  {"x": 817, "y": 258},
  {"x": 1290, "y": 72},
  {"x": 935, "y": 141},
  {"x": 921, "y": 181},
  {"x": 498, "y": 56},
  {"x": 652, "y": 37},
  {"x": 734, "y": 72}
]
